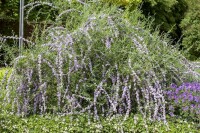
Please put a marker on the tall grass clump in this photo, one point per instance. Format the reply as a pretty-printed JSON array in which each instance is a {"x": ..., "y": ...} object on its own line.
[{"x": 99, "y": 60}]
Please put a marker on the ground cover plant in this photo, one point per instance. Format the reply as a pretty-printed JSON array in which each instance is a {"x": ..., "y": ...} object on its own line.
[
  {"x": 186, "y": 100},
  {"x": 96, "y": 60},
  {"x": 81, "y": 123}
]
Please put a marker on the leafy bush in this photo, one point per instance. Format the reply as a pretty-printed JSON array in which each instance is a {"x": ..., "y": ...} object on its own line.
[
  {"x": 190, "y": 25},
  {"x": 102, "y": 62},
  {"x": 185, "y": 100},
  {"x": 166, "y": 13}
]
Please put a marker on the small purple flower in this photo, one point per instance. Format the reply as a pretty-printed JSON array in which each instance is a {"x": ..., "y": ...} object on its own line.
[
  {"x": 171, "y": 114},
  {"x": 185, "y": 108},
  {"x": 171, "y": 108},
  {"x": 190, "y": 97},
  {"x": 192, "y": 106},
  {"x": 173, "y": 86},
  {"x": 196, "y": 99}
]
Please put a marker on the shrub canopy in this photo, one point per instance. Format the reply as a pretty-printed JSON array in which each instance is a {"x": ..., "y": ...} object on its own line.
[{"x": 95, "y": 59}]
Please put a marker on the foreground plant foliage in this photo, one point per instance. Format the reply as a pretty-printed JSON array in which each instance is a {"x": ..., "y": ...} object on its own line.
[
  {"x": 98, "y": 60},
  {"x": 81, "y": 123}
]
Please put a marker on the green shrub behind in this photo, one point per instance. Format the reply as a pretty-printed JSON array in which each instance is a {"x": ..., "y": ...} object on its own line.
[{"x": 191, "y": 25}]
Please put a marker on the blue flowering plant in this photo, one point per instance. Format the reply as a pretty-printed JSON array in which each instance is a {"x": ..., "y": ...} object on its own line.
[{"x": 184, "y": 100}]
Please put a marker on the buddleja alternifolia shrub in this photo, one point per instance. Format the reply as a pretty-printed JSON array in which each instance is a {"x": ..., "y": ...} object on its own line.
[{"x": 95, "y": 60}]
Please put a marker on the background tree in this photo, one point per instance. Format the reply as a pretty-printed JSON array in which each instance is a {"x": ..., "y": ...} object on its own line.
[
  {"x": 166, "y": 13},
  {"x": 9, "y": 9},
  {"x": 191, "y": 26},
  {"x": 9, "y": 26}
]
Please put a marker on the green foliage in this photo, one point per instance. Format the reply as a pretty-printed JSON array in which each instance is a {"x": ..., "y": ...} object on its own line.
[
  {"x": 9, "y": 9},
  {"x": 9, "y": 25},
  {"x": 8, "y": 51},
  {"x": 4, "y": 71},
  {"x": 9, "y": 22},
  {"x": 166, "y": 13},
  {"x": 80, "y": 123},
  {"x": 4, "y": 75},
  {"x": 127, "y": 3},
  {"x": 168, "y": 3},
  {"x": 191, "y": 25}
]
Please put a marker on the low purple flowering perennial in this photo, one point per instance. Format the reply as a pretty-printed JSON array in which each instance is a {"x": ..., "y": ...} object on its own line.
[{"x": 186, "y": 97}]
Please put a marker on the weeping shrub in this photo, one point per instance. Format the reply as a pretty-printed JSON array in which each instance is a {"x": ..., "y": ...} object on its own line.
[{"x": 98, "y": 60}]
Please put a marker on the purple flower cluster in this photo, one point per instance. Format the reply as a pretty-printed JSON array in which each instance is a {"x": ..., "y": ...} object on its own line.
[{"x": 186, "y": 97}]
